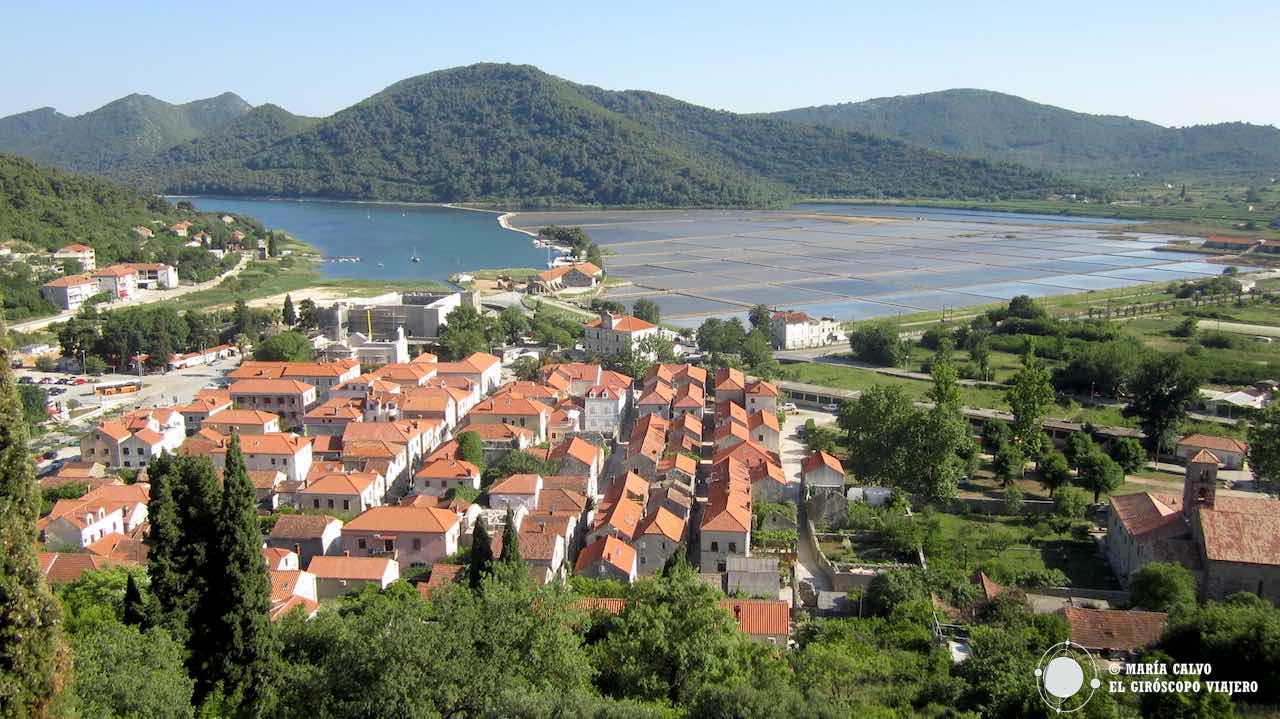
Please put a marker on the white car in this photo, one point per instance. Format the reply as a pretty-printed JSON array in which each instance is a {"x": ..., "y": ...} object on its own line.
[
  {"x": 831, "y": 408},
  {"x": 789, "y": 407}
]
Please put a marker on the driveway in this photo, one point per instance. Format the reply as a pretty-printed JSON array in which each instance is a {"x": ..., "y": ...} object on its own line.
[{"x": 793, "y": 453}]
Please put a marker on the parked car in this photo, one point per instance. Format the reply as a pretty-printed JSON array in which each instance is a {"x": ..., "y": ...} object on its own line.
[
  {"x": 831, "y": 407},
  {"x": 46, "y": 380},
  {"x": 79, "y": 381},
  {"x": 789, "y": 407},
  {"x": 26, "y": 379},
  {"x": 51, "y": 454},
  {"x": 55, "y": 391}
]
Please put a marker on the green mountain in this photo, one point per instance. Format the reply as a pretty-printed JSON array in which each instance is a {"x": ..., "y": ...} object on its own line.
[
  {"x": 514, "y": 134},
  {"x": 996, "y": 126},
  {"x": 121, "y": 132}
]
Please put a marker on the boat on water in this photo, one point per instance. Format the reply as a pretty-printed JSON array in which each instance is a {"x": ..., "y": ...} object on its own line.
[{"x": 414, "y": 257}]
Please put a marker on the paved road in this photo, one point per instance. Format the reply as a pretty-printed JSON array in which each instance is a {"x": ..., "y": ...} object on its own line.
[
  {"x": 145, "y": 297},
  {"x": 1241, "y": 328}
]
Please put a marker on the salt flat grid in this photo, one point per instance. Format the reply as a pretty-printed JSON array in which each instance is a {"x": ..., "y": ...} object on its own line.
[{"x": 698, "y": 264}]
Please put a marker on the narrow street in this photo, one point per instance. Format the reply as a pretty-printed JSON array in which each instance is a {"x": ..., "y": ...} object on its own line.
[{"x": 793, "y": 453}]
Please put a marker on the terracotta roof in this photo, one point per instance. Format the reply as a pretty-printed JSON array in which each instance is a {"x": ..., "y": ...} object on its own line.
[
  {"x": 679, "y": 462},
  {"x": 442, "y": 575},
  {"x": 768, "y": 419},
  {"x": 573, "y": 482},
  {"x": 273, "y": 370},
  {"x": 449, "y": 469},
  {"x": 1208, "y": 441},
  {"x": 348, "y": 408},
  {"x": 269, "y": 386},
  {"x": 372, "y": 449},
  {"x": 481, "y": 361},
  {"x": 748, "y": 452},
  {"x": 662, "y": 522},
  {"x": 77, "y": 248},
  {"x": 498, "y": 431},
  {"x": 728, "y": 507},
  {"x": 761, "y": 387},
  {"x": 241, "y": 416},
  {"x": 791, "y": 318},
  {"x": 366, "y": 568},
  {"x": 275, "y": 556},
  {"x": 760, "y": 617},
  {"x": 265, "y": 478},
  {"x": 990, "y": 589},
  {"x": 354, "y": 483},
  {"x": 301, "y": 526},
  {"x": 623, "y": 515},
  {"x": 115, "y": 271},
  {"x": 510, "y": 405},
  {"x": 611, "y": 605},
  {"x": 1241, "y": 530},
  {"x": 585, "y": 268},
  {"x": 1204, "y": 456},
  {"x": 119, "y": 547},
  {"x": 1145, "y": 513},
  {"x": 64, "y": 567},
  {"x": 561, "y": 499},
  {"x": 521, "y": 484},
  {"x": 1126, "y": 630},
  {"x": 70, "y": 281},
  {"x": 281, "y": 443},
  {"x": 729, "y": 378},
  {"x": 623, "y": 323},
  {"x": 819, "y": 460},
  {"x": 430, "y": 520},
  {"x": 612, "y": 551},
  {"x": 578, "y": 448}
]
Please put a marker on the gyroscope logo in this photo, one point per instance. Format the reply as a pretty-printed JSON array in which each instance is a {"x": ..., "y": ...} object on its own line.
[{"x": 1067, "y": 677}]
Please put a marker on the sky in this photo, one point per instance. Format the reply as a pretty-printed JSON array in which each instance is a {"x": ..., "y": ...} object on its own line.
[{"x": 1174, "y": 63}]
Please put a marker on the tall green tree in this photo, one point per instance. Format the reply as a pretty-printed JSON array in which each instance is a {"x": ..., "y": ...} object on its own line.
[
  {"x": 757, "y": 354},
  {"x": 135, "y": 610},
  {"x": 233, "y": 645},
  {"x": 470, "y": 448},
  {"x": 1029, "y": 397},
  {"x": 761, "y": 318},
  {"x": 1264, "y": 447},
  {"x": 288, "y": 313},
  {"x": 510, "y": 540},
  {"x": 877, "y": 426},
  {"x": 34, "y": 660},
  {"x": 285, "y": 347},
  {"x": 1162, "y": 587},
  {"x": 1054, "y": 473},
  {"x": 1163, "y": 388},
  {"x": 122, "y": 671},
  {"x": 1099, "y": 473},
  {"x": 481, "y": 564},
  {"x": 879, "y": 343}
]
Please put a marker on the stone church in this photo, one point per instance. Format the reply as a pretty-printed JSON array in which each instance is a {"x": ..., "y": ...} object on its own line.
[{"x": 1231, "y": 544}]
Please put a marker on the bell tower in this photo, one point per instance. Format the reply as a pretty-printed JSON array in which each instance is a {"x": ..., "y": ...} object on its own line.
[{"x": 1201, "y": 483}]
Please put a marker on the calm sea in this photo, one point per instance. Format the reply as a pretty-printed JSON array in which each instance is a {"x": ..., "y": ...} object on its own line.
[{"x": 385, "y": 236}]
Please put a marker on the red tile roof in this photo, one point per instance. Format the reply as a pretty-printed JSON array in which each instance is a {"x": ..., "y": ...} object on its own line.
[
  {"x": 1208, "y": 441},
  {"x": 428, "y": 520},
  {"x": 614, "y": 552},
  {"x": 301, "y": 526},
  {"x": 819, "y": 460},
  {"x": 366, "y": 568},
  {"x": 623, "y": 323},
  {"x": 442, "y": 575},
  {"x": 663, "y": 522},
  {"x": 1125, "y": 630},
  {"x": 521, "y": 484},
  {"x": 760, "y": 617}
]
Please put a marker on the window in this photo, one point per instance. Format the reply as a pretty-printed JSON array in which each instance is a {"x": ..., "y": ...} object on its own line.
[
  {"x": 331, "y": 504},
  {"x": 715, "y": 546},
  {"x": 346, "y": 504},
  {"x": 733, "y": 546},
  {"x": 126, "y": 450},
  {"x": 643, "y": 559},
  {"x": 417, "y": 544},
  {"x": 720, "y": 566},
  {"x": 315, "y": 504},
  {"x": 388, "y": 544},
  {"x": 362, "y": 543}
]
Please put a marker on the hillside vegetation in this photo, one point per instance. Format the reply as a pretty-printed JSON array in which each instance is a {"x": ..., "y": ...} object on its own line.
[
  {"x": 997, "y": 126},
  {"x": 125, "y": 131},
  {"x": 517, "y": 136}
]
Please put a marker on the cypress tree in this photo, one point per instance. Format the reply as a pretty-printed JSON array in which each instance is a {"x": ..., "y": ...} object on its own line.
[
  {"x": 168, "y": 583},
  {"x": 34, "y": 659},
  {"x": 510, "y": 541},
  {"x": 289, "y": 314},
  {"x": 481, "y": 556},
  {"x": 135, "y": 611},
  {"x": 234, "y": 646}
]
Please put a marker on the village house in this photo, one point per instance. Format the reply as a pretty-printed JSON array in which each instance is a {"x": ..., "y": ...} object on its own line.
[
  {"x": 283, "y": 451},
  {"x": 133, "y": 439},
  {"x": 323, "y": 377},
  {"x": 309, "y": 535},
  {"x": 292, "y": 589},
  {"x": 527, "y": 414},
  {"x": 69, "y": 292},
  {"x": 436, "y": 403},
  {"x": 180, "y": 228},
  {"x": 765, "y": 620},
  {"x": 498, "y": 439},
  {"x": 603, "y": 410},
  {"x": 414, "y": 536},
  {"x": 614, "y": 333},
  {"x": 1230, "y": 452},
  {"x": 1114, "y": 634},
  {"x": 204, "y": 405},
  {"x": 764, "y": 430},
  {"x": 120, "y": 282},
  {"x": 660, "y": 534},
  {"x": 517, "y": 490},
  {"x": 648, "y": 446},
  {"x": 342, "y": 491},
  {"x": 480, "y": 368},
  {"x": 577, "y": 378},
  {"x": 83, "y": 254},
  {"x": 437, "y": 478},
  {"x": 109, "y": 509},
  {"x": 822, "y": 471},
  {"x": 336, "y": 576},
  {"x": 579, "y": 276},
  {"x": 143, "y": 232},
  {"x": 331, "y": 417},
  {"x": 542, "y": 543},
  {"x": 797, "y": 330},
  {"x": 607, "y": 558},
  {"x": 1231, "y": 544},
  {"x": 726, "y": 523},
  {"x": 153, "y": 275},
  {"x": 290, "y": 399},
  {"x": 243, "y": 421}
]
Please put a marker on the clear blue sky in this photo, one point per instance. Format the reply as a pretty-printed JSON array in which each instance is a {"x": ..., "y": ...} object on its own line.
[{"x": 1169, "y": 62}]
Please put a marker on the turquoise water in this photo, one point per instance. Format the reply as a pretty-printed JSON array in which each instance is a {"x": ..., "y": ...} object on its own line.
[{"x": 447, "y": 240}]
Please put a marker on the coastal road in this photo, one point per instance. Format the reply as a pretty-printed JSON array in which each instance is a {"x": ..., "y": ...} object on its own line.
[{"x": 145, "y": 297}]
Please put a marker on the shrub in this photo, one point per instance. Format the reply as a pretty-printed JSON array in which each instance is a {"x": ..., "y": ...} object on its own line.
[
  {"x": 1012, "y": 499},
  {"x": 1218, "y": 340}
]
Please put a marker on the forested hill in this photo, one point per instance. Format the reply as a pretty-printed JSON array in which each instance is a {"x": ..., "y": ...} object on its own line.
[
  {"x": 515, "y": 135},
  {"x": 979, "y": 123},
  {"x": 121, "y": 132},
  {"x": 819, "y": 161},
  {"x": 50, "y": 208}
]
